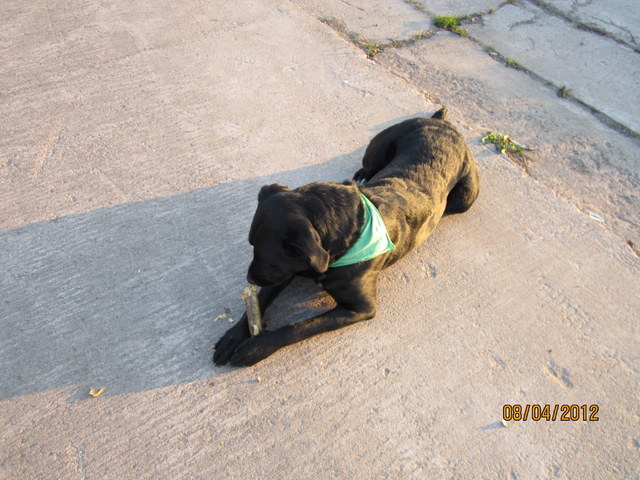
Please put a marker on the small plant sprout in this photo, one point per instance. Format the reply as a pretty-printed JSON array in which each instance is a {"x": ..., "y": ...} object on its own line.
[
  {"x": 503, "y": 143},
  {"x": 371, "y": 49},
  {"x": 513, "y": 64}
]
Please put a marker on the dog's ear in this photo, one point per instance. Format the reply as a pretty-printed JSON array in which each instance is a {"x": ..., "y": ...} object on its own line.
[
  {"x": 305, "y": 242},
  {"x": 270, "y": 190},
  {"x": 440, "y": 113}
]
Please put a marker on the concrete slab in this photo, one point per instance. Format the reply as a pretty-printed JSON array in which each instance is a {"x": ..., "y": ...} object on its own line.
[
  {"x": 579, "y": 60},
  {"x": 620, "y": 19},
  {"x": 172, "y": 116}
]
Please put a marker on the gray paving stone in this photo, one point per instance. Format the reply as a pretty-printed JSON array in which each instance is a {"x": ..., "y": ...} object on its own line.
[
  {"x": 619, "y": 18},
  {"x": 457, "y": 7},
  {"x": 588, "y": 64}
]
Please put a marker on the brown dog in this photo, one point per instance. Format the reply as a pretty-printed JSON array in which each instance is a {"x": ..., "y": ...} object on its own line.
[{"x": 343, "y": 235}]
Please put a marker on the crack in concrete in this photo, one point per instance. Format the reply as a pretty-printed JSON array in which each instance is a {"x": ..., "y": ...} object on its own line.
[
  {"x": 353, "y": 6},
  {"x": 552, "y": 10},
  {"x": 531, "y": 21},
  {"x": 49, "y": 147},
  {"x": 576, "y": 4},
  {"x": 624, "y": 29},
  {"x": 373, "y": 49}
]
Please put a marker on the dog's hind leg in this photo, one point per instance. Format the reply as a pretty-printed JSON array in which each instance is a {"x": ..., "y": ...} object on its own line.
[
  {"x": 383, "y": 147},
  {"x": 465, "y": 192}
]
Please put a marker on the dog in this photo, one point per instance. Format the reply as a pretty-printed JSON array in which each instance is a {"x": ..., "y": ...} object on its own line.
[{"x": 344, "y": 234}]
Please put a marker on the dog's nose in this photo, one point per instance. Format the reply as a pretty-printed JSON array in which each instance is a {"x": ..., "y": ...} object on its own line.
[{"x": 250, "y": 279}]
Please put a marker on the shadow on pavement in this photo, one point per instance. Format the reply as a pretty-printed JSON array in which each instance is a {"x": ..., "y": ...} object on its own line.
[{"x": 125, "y": 297}]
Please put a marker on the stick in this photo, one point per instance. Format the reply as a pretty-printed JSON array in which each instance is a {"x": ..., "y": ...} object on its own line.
[{"x": 254, "y": 319}]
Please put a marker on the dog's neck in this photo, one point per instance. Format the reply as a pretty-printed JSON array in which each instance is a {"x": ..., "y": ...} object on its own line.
[{"x": 336, "y": 214}]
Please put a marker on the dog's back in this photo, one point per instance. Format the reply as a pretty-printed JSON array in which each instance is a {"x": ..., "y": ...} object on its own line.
[
  {"x": 413, "y": 172},
  {"x": 422, "y": 149}
]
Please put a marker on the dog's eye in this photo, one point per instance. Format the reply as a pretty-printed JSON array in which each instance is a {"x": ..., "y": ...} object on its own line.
[{"x": 290, "y": 250}]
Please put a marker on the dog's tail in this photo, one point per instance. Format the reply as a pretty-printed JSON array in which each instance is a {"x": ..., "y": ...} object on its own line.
[{"x": 440, "y": 113}]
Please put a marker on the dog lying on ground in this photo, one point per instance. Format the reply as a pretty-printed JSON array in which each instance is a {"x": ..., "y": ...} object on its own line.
[{"x": 343, "y": 235}]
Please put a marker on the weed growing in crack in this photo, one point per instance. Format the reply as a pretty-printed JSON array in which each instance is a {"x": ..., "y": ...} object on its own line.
[
  {"x": 446, "y": 21},
  {"x": 451, "y": 23},
  {"x": 513, "y": 64},
  {"x": 371, "y": 49},
  {"x": 420, "y": 35},
  {"x": 395, "y": 43},
  {"x": 564, "y": 92},
  {"x": 460, "y": 31}
]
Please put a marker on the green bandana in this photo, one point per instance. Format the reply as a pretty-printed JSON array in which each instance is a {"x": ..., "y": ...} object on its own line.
[{"x": 374, "y": 239}]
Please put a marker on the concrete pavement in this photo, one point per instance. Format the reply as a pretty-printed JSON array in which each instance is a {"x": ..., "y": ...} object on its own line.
[{"x": 135, "y": 138}]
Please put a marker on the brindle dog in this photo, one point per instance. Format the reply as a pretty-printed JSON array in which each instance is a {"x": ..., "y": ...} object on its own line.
[{"x": 413, "y": 172}]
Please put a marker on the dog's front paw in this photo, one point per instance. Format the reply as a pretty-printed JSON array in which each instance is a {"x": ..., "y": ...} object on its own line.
[
  {"x": 230, "y": 341},
  {"x": 255, "y": 349}
]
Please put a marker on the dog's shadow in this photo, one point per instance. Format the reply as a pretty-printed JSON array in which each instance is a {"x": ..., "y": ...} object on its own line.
[
  {"x": 303, "y": 299},
  {"x": 126, "y": 297}
]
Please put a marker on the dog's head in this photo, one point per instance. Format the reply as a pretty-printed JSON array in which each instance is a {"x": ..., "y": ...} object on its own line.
[{"x": 284, "y": 240}]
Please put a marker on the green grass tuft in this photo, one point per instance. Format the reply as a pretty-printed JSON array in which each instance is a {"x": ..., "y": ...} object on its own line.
[
  {"x": 446, "y": 21},
  {"x": 451, "y": 23}
]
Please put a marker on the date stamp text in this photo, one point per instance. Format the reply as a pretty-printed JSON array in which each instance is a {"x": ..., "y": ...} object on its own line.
[{"x": 550, "y": 413}]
